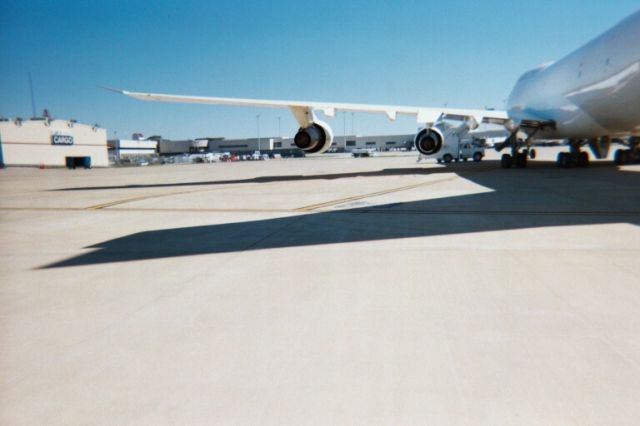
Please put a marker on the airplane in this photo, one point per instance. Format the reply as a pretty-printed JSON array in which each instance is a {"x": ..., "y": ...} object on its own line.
[{"x": 590, "y": 97}]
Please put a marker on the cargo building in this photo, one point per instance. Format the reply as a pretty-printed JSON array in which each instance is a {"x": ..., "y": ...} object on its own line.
[{"x": 47, "y": 142}]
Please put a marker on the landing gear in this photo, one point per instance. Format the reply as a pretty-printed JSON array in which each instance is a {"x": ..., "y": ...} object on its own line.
[
  {"x": 567, "y": 160},
  {"x": 626, "y": 156},
  {"x": 621, "y": 157},
  {"x": 518, "y": 156},
  {"x": 574, "y": 158},
  {"x": 583, "y": 159},
  {"x": 532, "y": 154},
  {"x": 506, "y": 161},
  {"x": 519, "y": 159},
  {"x": 563, "y": 160}
]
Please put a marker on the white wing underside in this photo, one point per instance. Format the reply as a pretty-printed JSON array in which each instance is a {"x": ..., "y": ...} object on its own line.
[{"x": 304, "y": 111}]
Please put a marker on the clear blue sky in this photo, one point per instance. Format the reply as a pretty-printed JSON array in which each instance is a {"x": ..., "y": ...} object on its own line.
[{"x": 432, "y": 53}]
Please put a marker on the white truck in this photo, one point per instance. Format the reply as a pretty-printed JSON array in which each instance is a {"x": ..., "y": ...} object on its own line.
[
  {"x": 457, "y": 144},
  {"x": 460, "y": 150}
]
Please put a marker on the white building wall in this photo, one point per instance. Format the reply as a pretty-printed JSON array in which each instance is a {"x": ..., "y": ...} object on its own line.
[
  {"x": 133, "y": 148},
  {"x": 349, "y": 143},
  {"x": 30, "y": 143},
  {"x": 242, "y": 145}
]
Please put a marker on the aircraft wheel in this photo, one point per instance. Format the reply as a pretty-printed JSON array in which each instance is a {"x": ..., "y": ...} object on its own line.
[
  {"x": 521, "y": 160},
  {"x": 567, "y": 160},
  {"x": 583, "y": 159},
  {"x": 447, "y": 158},
  {"x": 617, "y": 157},
  {"x": 532, "y": 154},
  {"x": 506, "y": 161},
  {"x": 622, "y": 157},
  {"x": 564, "y": 160},
  {"x": 477, "y": 157}
]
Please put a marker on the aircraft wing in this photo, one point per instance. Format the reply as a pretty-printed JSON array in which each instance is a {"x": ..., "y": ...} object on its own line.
[{"x": 304, "y": 111}]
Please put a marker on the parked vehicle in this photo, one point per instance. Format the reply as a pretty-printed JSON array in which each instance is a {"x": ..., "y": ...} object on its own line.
[
  {"x": 456, "y": 150},
  {"x": 363, "y": 152},
  {"x": 207, "y": 157}
]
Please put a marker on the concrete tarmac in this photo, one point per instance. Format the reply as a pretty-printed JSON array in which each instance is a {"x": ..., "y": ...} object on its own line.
[{"x": 321, "y": 291}]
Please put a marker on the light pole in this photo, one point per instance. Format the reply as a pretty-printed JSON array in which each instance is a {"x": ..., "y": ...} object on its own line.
[
  {"x": 353, "y": 132},
  {"x": 344, "y": 127},
  {"x": 258, "y": 121},
  {"x": 279, "y": 131}
]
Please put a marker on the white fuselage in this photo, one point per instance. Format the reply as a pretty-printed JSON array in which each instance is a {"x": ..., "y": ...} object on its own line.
[{"x": 593, "y": 92}]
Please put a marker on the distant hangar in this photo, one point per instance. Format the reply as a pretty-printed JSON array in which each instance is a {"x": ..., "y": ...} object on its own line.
[
  {"x": 340, "y": 143},
  {"x": 47, "y": 142},
  {"x": 138, "y": 147}
]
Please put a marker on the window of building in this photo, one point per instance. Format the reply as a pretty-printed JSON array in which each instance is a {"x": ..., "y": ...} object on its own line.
[
  {"x": 222, "y": 147},
  {"x": 351, "y": 143},
  {"x": 370, "y": 143},
  {"x": 277, "y": 144},
  {"x": 390, "y": 143}
]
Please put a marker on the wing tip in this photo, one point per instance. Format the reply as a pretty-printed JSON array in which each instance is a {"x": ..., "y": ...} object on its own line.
[{"x": 115, "y": 90}]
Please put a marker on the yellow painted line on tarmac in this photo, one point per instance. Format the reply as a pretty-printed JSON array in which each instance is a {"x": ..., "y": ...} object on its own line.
[
  {"x": 203, "y": 210},
  {"x": 103, "y": 206},
  {"x": 152, "y": 209},
  {"x": 373, "y": 194},
  {"x": 133, "y": 199},
  {"x": 309, "y": 208},
  {"x": 37, "y": 209},
  {"x": 115, "y": 203}
]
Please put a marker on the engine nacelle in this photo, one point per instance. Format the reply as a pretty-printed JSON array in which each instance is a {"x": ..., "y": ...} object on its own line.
[
  {"x": 429, "y": 141},
  {"x": 315, "y": 139}
]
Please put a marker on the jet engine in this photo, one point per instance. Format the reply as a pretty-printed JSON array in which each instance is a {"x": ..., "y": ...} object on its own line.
[
  {"x": 314, "y": 139},
  {"x": 429, "y": 141}
]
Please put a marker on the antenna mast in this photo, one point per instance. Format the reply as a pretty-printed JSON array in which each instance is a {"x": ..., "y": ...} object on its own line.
[{"x": 33, "y": 100}]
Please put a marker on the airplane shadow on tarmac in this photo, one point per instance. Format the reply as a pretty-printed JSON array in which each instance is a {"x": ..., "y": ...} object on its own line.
[
  {"x": 539, "y": 196},
  {"x": 268, "y": 179}
]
